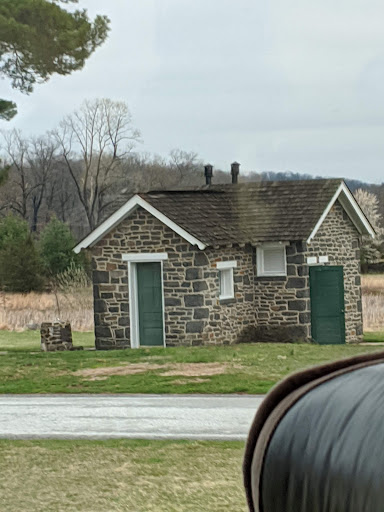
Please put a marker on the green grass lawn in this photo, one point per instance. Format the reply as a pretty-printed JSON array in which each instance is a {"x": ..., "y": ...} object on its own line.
[
  {"x": 248, "y": 368},
  {"x": 30, "y": 340},
  {"x": 374, "y": 337},
  {"x": 111, "y": 476}
]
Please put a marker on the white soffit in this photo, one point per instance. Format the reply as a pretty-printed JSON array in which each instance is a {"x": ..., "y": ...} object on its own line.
[
  {"x": 123, "y": 212},
  {"x": 353, "y": 210}
]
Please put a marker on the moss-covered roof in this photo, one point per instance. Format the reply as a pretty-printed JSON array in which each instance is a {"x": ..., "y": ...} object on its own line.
[{"x": 248, "y": 212}]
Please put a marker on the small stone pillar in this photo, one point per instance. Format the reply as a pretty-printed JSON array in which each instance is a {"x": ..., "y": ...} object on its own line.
[{"x": 56, "y": 336}]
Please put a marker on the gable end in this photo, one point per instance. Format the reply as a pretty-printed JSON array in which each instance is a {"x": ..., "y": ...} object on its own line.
[
  {"x": 353, "y": 210},
  {"x": 122, "y": 213}
]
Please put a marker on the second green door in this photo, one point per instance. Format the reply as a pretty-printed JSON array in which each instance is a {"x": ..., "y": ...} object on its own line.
[{"x": 327, "y": 304}]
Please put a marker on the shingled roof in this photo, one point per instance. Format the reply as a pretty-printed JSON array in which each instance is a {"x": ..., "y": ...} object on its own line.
[
  {"x": 249, "y": 212},
  {"x": 269, "y": 211}
]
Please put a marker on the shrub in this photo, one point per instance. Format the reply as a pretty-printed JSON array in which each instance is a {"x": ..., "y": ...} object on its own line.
[
  {"x": 20, "y": 267},
  {"x": 56, "y": 248},
  {"x": 12, "y": 230},
  {"x": 73, "y": 279}
]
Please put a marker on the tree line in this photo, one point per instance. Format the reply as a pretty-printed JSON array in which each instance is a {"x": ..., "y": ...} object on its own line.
[
  {"x": 74, "y": 176},
  {"x": 77, "y": 171}
]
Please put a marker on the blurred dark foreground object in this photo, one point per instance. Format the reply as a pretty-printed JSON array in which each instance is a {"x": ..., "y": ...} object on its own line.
[{"x": 317, "y": 441}]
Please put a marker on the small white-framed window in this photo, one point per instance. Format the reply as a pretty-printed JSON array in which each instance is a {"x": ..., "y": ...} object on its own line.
[
  {"x": 226, "y": 282},
  {"x": 271, "y": 260}
]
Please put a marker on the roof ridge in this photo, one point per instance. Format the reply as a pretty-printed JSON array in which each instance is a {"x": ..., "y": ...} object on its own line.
[{"x": 218, "y": 187}]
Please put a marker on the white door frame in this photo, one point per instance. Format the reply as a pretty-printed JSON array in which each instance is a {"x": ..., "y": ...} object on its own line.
[{"x": 133, "y": 259}]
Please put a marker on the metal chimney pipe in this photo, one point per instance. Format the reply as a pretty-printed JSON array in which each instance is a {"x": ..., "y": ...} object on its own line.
[
  {"x": 235, "y": 170},
  {"x": 208, "y": 172}
]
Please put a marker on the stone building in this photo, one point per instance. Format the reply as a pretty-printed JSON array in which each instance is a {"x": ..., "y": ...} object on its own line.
[{"x": 269, "y": 261}]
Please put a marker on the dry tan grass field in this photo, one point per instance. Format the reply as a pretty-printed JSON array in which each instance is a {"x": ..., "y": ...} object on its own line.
[
  {"x": 373, "y": 302},
  {"x": 17, "y": 310}
]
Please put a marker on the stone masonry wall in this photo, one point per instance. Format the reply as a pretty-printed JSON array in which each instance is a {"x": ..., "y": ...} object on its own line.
[
  {"x": 193, "y": 312},
  {"x": 338, "y": 239},
  {"x": 282, "y": 302}
]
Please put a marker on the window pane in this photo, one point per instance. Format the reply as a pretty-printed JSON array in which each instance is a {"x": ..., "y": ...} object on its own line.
[
  {"x": 226, "y": 282},
  {"x": 274, "y": 259}
]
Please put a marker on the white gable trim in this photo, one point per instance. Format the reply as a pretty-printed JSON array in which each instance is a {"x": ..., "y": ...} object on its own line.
[
  {"x": 353, "y": 210},
  {"x": 123, "y": 212}
]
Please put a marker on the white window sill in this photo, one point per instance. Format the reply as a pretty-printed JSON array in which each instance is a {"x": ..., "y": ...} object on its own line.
[
  {"x": 272, "y": 274},
  {"x": 226, "y": 297}
]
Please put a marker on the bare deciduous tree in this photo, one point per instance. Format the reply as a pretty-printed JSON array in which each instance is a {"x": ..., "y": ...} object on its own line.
[
  {"x": 18, "y": 188},
  {"x": 187, "y": 167},
  {"x": 369, "y": 203},
  {"x": 150, "y": 172},
  {"x": 92, "y": 142},
  {"x": 42, "y": 159},
  {"x": 31, "y": 164}
]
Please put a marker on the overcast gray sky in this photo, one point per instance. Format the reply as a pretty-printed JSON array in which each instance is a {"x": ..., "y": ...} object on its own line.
[{"x": 277, "y": 85}]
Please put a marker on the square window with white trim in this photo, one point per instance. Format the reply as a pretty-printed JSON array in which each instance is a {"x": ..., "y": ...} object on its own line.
[
  {"x": 271, "y": 260},
  {"x": 226, "y": 282}
]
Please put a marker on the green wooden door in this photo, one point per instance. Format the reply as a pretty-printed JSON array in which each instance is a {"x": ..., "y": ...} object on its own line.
[
  {"x": 327, "y": 304},
  {"x": 150, "y": 302}
]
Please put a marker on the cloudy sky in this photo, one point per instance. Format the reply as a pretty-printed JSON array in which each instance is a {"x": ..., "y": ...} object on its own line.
[{"x": 275, "y": 85}]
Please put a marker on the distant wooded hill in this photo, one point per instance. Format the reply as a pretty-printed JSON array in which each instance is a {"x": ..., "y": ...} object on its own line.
[{"x": 40, "y": 186}]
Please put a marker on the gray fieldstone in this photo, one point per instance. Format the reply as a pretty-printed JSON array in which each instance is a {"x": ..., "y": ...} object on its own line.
[
  {"x": 100, "y": 306},
  {"x": 99, "y": 276},
  {"x": 193, "y": 273},
  {"x": 200, "y": 313},
  {"x": 194, "y": 300},
  {"x": 195, "y": 327},
  {"x": 172, "y": 301},
  {"x": 200, "y": 260},
  {"x": 200, "y": 286}
]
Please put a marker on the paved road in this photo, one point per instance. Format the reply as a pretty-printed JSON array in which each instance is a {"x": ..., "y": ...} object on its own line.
[{"x": 127, "y": 416}]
